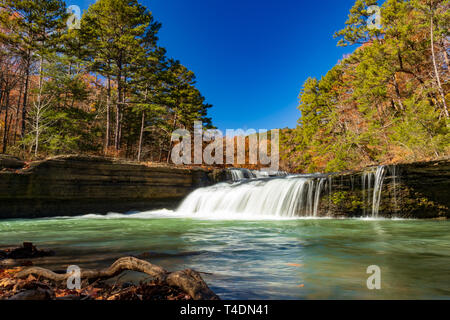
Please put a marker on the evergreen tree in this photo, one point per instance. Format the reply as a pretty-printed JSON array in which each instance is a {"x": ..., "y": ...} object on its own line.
[{"x": 115, "y": 31}]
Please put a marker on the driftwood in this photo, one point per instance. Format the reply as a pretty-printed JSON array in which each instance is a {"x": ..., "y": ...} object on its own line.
[{"x": 187, "y": 280}]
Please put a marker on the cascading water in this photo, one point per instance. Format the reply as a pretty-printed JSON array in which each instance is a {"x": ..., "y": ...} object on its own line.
[
  {"x": 395, "y": 177},
  {"x": 238, "y": 174},
  {"x": 319, "y": 188},
  {"x": 379, "y": 178},
  {"x": 292, "y": 196},
  {"x": 372, "y": 184},
  {"x": 276, "y": 194}
]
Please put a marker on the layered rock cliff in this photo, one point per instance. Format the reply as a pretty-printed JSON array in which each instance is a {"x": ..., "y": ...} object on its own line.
[
  {"x": 414, "y": 190},
  {"x": 73, "y": 185}
]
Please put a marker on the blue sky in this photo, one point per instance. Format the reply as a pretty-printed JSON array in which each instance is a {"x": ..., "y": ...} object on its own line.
[{"x": 251, "y": 57}]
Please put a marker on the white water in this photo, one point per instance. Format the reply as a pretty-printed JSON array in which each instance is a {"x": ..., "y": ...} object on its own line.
[
  {"x": 379, "y": 178},
  {"x": 270, "y": 198},
  {"x": 253, "y": 198},
  {"x": 291, "y": 196},
  {"x": 372, "y": 184},
  {"x": 241, "y": 174},
  {"x": 288, "y": 197},
  {"x": 317, "y": 196},
  {"x": 238, "y": 174}
]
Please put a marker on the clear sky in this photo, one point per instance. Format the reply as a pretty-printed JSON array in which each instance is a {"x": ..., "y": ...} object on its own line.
[{"x": 251, "y": 57}]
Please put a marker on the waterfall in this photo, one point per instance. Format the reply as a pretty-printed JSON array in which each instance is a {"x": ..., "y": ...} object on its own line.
[
  {"x": 238, "y": 174},
  {"x": 294, "y": 196},
  {"x": 379, "y": 178},
  {"x": 317, "y": 196},
  {"x": 372, "y": 185},
  {"x": 275, "y": 194},
  {"x": 394, "y": 174}
]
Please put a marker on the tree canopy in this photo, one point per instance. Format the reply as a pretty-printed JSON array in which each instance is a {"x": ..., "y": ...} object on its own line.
[
  {"x": 387, "y": 101},
  {"x": 106, "y": 87}
]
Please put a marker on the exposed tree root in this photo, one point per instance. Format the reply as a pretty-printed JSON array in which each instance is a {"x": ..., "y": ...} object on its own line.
[{"x": 187, "y": 280}]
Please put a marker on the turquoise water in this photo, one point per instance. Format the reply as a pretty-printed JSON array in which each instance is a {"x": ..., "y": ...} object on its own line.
[{"x": 261, "y": 259}]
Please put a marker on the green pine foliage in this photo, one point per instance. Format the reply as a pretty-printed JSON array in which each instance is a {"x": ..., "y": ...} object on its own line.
[
  {"x": 384, "y": 103},
  {"x": 105, "y": 88}
]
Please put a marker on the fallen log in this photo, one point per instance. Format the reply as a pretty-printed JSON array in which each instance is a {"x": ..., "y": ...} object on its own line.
[{"x": 188, "y": 280}]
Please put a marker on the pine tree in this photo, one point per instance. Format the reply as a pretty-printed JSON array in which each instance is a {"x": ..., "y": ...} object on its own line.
[{"x": 115, "y": 31}]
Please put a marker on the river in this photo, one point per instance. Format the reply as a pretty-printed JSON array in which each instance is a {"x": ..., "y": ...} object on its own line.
[{"x": 260, "y": 258}]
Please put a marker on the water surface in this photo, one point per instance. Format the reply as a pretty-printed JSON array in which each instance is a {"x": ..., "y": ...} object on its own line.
[{"x": 259, "y": 259}]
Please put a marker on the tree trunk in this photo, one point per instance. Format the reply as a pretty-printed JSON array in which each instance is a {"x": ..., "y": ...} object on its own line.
[
  {"x": 108, "y": 110},
  {"x": 36, "y": 145},
  {"x": 118, "y": 111},
  {"x": 117, "y": 129},
  {"x": 16, "y": 122},
  {"x": 141, "y": 136},
  {"x": 39, "y": 102},
  {"x": 5, "y": 133},
  {"x": 10, "y": 121},
  {"x": 120, "y": 127},
  {"x": 122, "y": 107},
  {"x": 170, "y": 143},
  {"x": 1, "y": 104},
  {"x": 436, "y": 72},
  {"x": 397, "y": 92},
  {"x": 25, "y": 100}
]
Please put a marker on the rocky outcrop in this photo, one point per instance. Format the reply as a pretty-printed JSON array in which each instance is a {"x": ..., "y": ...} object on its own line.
[
  {"x": 74, "y": 185},
  {"x": 10, "y": 162},
  {"x": 415, "y": 190}
]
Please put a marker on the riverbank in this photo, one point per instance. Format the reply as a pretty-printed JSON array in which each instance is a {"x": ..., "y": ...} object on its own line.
[{"x": 25, "y": 282}]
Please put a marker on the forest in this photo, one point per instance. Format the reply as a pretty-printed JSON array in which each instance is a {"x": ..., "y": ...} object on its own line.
[
  {"x": 98, "y": 86},
  {"x": 387, "y": 102},
  {"x": 105, "y": 87}
]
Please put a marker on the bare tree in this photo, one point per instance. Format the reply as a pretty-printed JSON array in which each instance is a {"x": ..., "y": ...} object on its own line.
[
  {"x": 436, "y": 72},
  {"x": 39, "y": 118}
]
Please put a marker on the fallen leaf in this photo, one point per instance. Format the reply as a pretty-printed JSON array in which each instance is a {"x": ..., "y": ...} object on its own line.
[
  {"x": 295, "y": 265},
  {"x": 31, "y": 278},
  {"x": 7, "y": 283}
]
